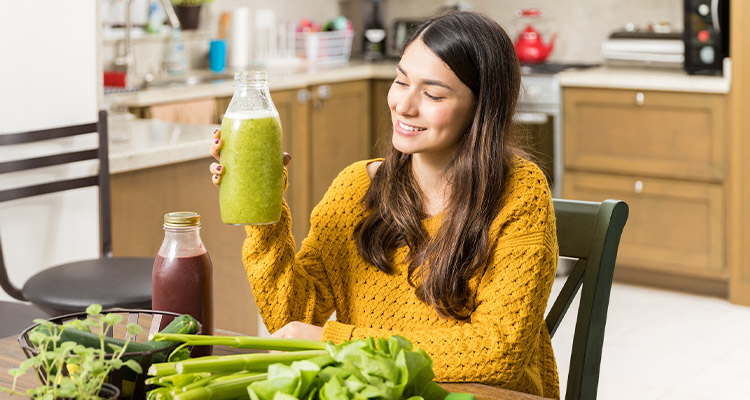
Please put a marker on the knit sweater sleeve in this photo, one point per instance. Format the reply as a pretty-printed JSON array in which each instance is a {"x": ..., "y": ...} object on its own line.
[
  {"x": 287, "y": 286},
  {"x": 498, "y": 342}
]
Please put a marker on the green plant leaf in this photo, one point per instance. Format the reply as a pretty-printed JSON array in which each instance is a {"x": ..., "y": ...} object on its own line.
[
  {"x": 94, "y": 309},
  {"x": 283, "y": 396},
  {"x": 134, "y": 329},
  {"x": 115, "y": 348},
  {"x": 334, "y": 390},
  {"x": 112, "y": 319},
  {"x": 179, "y": 354},
  {"x": 28, "y": 363},
  {"x": 134, "y": 365},
  {"x": 16, "y": 372}
]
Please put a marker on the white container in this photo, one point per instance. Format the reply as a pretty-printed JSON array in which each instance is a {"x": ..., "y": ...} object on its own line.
[{"x": 325, "y": 47}]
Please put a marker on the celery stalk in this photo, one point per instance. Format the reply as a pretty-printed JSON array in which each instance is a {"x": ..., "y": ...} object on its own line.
[
  {"x": 254, "y": 362},
  {"x": 227, "y": 387},
  {"x": 242, "y": 342}
]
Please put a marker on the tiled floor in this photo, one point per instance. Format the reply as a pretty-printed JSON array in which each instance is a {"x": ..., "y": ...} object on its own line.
[{"x": 665, "y": 345}]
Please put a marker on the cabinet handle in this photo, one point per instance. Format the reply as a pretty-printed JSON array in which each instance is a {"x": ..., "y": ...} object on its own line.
[
  {"x": 638, "y": 187},
  {"x": 303, "y": 96},
  {"x": 324, "y": 92},
  {"x": 640, "y": 98}
]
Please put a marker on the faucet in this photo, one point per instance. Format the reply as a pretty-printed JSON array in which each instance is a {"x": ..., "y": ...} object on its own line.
[{"x": 126, "y": 62}]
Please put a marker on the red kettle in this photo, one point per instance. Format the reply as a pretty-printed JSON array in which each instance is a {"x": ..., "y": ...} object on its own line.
[{"x": 529, "y": 45}]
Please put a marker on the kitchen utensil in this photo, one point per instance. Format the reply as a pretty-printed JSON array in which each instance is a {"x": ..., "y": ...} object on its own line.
[{"x": 529, "y": 45}]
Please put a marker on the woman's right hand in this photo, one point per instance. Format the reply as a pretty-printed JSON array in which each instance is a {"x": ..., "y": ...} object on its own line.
[{"x": 217, "y": 170}]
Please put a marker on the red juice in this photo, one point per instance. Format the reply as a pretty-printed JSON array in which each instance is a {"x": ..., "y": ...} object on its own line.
[{"x": 183, "y": 284}]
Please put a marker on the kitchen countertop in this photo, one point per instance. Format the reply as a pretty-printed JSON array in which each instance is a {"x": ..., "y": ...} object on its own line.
[
  {"x": 138, "y": 144},
  {"x": 145, "y": 143},
  {"x": 279, "y": 79},
  {"x": 646, "y": 79}
]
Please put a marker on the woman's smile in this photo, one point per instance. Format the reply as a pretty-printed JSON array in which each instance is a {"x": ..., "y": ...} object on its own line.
[{"x": 406, "y": 129}]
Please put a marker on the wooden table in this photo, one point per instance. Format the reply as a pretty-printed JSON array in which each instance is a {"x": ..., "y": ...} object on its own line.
[{"x": 11, "y": 355}]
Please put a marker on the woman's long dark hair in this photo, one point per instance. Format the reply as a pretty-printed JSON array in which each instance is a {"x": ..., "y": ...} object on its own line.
[{"x": 481, "y": 55}]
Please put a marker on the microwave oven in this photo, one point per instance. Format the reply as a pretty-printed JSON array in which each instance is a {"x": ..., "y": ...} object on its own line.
[
  {"x": 706, "y": 36},
  {"x": 402, "y": 30}
]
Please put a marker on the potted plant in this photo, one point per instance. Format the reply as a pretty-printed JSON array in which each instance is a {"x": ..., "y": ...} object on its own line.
[
  {"x": 72, "y": 370},
  {"x": 188, "y": 12}
]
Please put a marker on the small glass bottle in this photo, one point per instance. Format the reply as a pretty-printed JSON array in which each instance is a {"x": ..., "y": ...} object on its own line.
[
  {"x": 253, "y": 181},
  {"x": 374, "y": 37},
  {"x": 182, "y": 279}
]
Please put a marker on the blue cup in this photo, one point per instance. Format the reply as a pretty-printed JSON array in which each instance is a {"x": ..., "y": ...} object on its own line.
[{"x": 217, "y": 55}]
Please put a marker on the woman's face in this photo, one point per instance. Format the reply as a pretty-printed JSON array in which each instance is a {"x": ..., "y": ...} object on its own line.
[{"x": 431, "y": 108}]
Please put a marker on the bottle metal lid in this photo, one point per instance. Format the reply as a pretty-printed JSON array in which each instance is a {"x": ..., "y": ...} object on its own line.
[{"x": 182, "y": 219}]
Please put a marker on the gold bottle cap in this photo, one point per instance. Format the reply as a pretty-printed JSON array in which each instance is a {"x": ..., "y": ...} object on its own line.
[{"x": 182, "y": 218}]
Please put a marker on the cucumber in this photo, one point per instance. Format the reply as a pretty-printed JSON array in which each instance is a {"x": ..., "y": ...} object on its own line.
[
  {"x": 91, "y": 340},
  {"x": 184, "y": 324}
]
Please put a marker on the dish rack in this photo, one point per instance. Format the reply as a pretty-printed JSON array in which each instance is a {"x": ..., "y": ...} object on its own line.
[{"x": 324, "y": 47}]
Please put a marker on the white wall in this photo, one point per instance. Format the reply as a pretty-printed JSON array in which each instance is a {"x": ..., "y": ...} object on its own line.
[{"x": 49, "y": 76}]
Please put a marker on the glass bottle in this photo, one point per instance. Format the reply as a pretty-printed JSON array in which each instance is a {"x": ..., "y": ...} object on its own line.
[
  {"x": 182, "y": 279},
  {"x": 252, "y": 183},
  {"x": 374, "y": 36}
]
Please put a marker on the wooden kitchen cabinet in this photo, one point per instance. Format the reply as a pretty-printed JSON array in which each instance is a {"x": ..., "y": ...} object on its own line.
[
  {"x": 382, "y": 126},
  {"x": 294, "y": 114},
  {"x": 661, "y": 134},
  {"x": 674, "y": 226},
  {"x": 664, "y": 153},
  {"x": 339, "y": 131}
]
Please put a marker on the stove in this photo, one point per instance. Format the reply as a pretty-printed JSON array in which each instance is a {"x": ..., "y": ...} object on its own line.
[{"x": 540, "y": 111}]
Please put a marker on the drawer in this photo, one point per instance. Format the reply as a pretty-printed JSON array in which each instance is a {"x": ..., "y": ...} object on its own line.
[
  {"x": 645, "y": 133},
  {"x": 674, "y": 226}
]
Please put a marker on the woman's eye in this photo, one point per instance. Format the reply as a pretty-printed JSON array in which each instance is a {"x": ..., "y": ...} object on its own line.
[
  {"x": 397, "y": 82},
  {"x": 431, "y": 97}
]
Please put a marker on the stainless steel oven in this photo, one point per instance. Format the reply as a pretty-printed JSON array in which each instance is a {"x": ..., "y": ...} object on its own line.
[{"x": 540, "y": 118}]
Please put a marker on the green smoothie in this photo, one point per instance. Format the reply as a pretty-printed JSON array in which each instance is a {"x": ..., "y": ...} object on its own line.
[{"x": 253, "y": 180}]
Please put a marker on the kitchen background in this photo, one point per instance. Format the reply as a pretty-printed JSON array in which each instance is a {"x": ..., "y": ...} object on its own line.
[
  {"x": 581, "y": 26},
  {"x": 649, "y": 331}
]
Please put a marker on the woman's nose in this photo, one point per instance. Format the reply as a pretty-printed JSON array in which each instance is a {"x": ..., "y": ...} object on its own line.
[{"x": 407, "y": 104}]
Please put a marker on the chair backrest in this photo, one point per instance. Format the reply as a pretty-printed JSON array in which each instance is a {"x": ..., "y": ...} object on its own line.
[
  {"x": 101, "y": 179},
  {"x": 589, "y": 232}
]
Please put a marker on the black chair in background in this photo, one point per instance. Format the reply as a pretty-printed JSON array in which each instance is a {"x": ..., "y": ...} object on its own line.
[
  {"x": 589, "y": 232},
  {"x": 107, "y": 280}
]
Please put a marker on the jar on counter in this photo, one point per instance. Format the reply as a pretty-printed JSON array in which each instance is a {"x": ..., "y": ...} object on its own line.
[{"x": 182, "y": 279}]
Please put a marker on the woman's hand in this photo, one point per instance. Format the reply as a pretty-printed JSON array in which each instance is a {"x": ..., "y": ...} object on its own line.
[
  {"x": 217, "y": 170},
  {"x": 299, "y": 330}
]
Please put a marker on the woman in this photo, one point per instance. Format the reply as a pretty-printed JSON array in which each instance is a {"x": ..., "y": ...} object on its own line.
[{"x": 448, "y": 241}]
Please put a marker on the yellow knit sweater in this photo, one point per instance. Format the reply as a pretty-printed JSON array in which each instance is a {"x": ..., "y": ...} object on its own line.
[{"x": 505, "y": 342}]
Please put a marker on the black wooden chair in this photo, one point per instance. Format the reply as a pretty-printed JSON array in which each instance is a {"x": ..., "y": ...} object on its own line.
[
  {"x": 109, "y": 281},
  {"x": 589, "y": 232}
]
